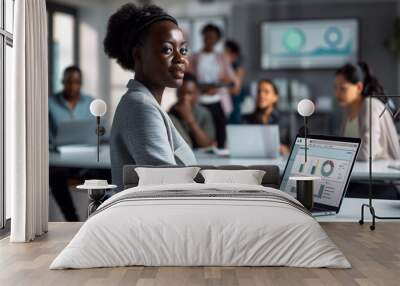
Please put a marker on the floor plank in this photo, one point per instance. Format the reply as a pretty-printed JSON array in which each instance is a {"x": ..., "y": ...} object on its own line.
[{"x": 374, "y": 255}]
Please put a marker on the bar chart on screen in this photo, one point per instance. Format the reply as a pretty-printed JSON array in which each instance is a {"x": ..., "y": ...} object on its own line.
[{"x": 329, "y": 168}]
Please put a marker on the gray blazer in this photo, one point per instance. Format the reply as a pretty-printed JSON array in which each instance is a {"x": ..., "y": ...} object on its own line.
[{"x": 143, "y": 134}]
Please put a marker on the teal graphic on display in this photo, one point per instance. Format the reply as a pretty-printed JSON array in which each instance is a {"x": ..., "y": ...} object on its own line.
[
  {"x": 294, "y": 40},
  {"x": 323, "y": 43},
  {"x": 327, "y": 168}
]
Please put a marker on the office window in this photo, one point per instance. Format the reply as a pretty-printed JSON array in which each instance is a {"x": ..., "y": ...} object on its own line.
[
  {"x": 6, "y": 44},
  {"x": 63, "y": 46},
  {"x": 9, "y": 15},
  {"x": 63, "y": 42}
]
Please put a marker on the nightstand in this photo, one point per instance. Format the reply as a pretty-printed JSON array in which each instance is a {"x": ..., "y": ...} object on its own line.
[{"x": 96, "y": 192}]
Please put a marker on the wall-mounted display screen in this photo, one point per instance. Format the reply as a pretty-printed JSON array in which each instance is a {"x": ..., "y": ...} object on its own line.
[{"x": 309, "y": 44}]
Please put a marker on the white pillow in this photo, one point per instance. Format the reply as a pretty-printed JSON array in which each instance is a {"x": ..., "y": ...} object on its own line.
[
  {"x": 248, "y": 177},
  {"x": 165, "y": 176}
]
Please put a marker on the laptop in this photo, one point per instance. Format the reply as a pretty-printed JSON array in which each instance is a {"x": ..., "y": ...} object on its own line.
[
  {"x": 253, "y": 141},
  {"x": 330, "y": 158},
  {"x": 77, "y": 132}
]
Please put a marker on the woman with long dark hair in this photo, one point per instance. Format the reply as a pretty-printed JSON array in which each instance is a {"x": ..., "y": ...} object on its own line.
[
  {"x": 147, "y": 41},
  {"x": 354, "y": 84},
  {"x": 266, "y": 112}
]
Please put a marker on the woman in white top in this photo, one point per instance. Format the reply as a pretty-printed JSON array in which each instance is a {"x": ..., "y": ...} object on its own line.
[
  {"x": 214, "y": 74},
  {"x": 354, "y": 83}
]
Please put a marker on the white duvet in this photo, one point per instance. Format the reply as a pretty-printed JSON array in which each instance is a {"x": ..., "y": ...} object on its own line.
[{"x": 207, "y": 230}]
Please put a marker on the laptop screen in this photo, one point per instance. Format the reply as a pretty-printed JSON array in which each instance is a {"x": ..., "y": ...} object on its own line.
[{"x": 331, "y": 159}]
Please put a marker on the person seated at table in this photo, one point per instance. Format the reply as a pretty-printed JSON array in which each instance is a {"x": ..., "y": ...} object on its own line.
[
  {"x": 149, "y": 43},
  {"x": 266, "y": 112},
  {"x": 67, "y": 105},
  {"x": 354, "y": 84},
  {"x": 193, "y": 121}
]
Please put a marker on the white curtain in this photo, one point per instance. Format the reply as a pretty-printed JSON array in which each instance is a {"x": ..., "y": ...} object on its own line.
[{"x": 26, "y": 123}]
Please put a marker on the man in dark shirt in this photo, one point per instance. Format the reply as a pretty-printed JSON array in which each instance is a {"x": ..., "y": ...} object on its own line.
[{"x": 193, "y": 121}]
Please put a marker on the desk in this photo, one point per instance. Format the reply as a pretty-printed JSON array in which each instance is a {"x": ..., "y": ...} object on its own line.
[
  {"x": 360, "y": 170},
  {"x": 85, "y": 157},
  {"x": 81, "y": 157},
  {"x": 350, "y": 210}
]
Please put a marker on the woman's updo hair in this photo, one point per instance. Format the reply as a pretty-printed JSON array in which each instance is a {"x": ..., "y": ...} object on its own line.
[
  {"x": 355, "y": 73},
  {"x": 127, "y": 29}
]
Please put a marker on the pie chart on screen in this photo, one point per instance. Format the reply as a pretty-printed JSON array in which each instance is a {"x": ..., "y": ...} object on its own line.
[{"x": 327, "y": 168}]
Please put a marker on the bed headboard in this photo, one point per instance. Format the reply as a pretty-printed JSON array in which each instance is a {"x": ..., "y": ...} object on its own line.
[{"x": 271, "y": 177}]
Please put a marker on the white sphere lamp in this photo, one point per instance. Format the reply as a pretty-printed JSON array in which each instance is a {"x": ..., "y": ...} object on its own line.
[
  {"x": 305, "y": 108},
  {"x": 98, "y": 108}
]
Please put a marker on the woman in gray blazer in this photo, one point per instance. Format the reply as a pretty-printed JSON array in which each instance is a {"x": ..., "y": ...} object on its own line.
[
  {"x": 354, "y": 83},
  {"x": 148, "y": 42}
]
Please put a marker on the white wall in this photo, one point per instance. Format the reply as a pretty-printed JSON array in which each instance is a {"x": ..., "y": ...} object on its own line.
[{"x": 93, "y": 62}]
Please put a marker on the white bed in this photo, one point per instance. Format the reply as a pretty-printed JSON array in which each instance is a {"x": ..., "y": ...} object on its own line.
[{"x": 203, "y": 225}]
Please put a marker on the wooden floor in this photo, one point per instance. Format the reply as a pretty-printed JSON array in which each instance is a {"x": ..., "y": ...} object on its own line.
[{"x": 375, "y": 257}]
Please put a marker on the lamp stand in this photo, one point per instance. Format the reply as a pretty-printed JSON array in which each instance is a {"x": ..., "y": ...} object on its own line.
[
  {"x": 305, "y": 138},
  {"x": 369, "y": 205},
  {"x": 100, "y": 130}
]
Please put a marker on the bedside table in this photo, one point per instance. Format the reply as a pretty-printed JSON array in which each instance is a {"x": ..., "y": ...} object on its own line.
[{"x": 96, "y": 192}]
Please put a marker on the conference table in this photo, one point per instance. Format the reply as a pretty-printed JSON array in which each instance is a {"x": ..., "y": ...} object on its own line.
[{"x": 86, "y": 157}]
